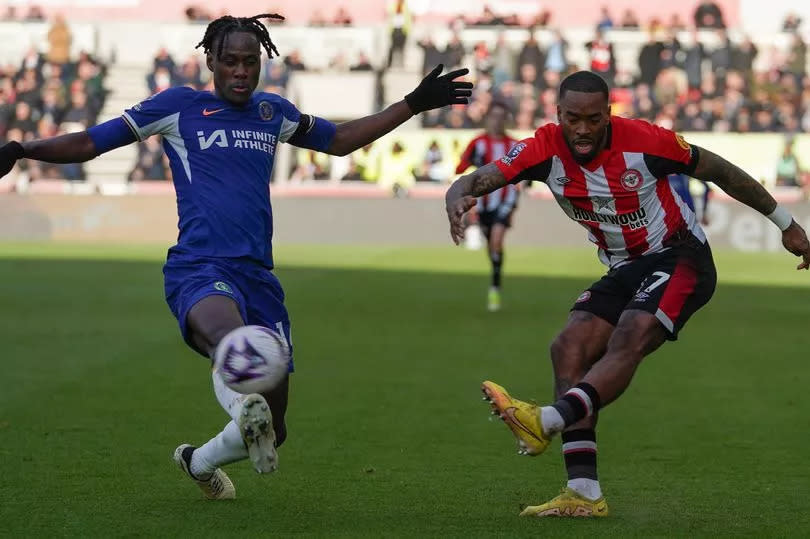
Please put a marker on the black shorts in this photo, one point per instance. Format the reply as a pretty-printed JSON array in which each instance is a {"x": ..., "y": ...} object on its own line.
[
  {"x": 671, "y": 285},
  {"x": 489, "y": 218}
]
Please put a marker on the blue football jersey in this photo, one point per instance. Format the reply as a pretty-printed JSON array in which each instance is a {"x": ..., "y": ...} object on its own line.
[{"x": 221, "y": 158}]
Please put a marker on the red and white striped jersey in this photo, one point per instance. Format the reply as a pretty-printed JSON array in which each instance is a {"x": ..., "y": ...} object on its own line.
[
  {"x": 622, "y": 197},
  {"x": 485, "y": 149}
]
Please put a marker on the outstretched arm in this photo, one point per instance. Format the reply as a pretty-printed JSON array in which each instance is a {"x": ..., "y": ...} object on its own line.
[
  {"x": 71, "y": 148},
  {"x": 433, "y": 92},
  {"x": 460, "y": 197},
  {"x": 742, "y": 187}
]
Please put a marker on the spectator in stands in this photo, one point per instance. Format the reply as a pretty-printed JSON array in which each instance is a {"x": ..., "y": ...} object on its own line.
[
  {"x": 503, "y": 61},
  {"x": 454, "y": 52},
  {"x": 432, "y": 56},
  {"x": 197, "y": 14},
  {"x": 557, "y": 54},
  {"x": 342, "y": 17},
  {"x": 797, "y": 57},
  {"x": 721, "y": 58},
  {"x": 317, "y": 19},
  {"x": 788, "y": 171},
  {"x": 531, "y": 54},
  {"x": 151, "y": 163},
  {"x": 434, "y": 166},
  {"x": 10, "y": 14},
  {"x": 605, "y": 21},
  {"x": 79, "y": 111},
  {"x": 397, "y": 170},
  {"x": 364, "y": 165},
  {"x": 293, "y": 61},
  {"x": 791, "y": 23},
  {"x": 35, "y": 14},
  {"x": 276, "y": 77},
  {"x": 399, "y": 25},
  {"x": 602, "y": 58},
  {"x": 160, "y": 80},
  {"x": 23, "y": 120},
  {"x": 629, "y": 20},
  {"x": 708, "y": 15},
  {"x": 649, "y": 59},
  {"x": 59, "y": 40},
  {"x": 189, "y": 74},
  {"x": 363, "y": 63}
]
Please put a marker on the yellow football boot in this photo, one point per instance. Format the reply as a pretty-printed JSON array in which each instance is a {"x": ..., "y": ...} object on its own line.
[
  {"x": 522, "y": 418},
  {"x": 568, "y": 504}
]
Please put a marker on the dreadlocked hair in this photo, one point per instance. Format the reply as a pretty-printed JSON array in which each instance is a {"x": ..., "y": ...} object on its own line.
[{"x": 217, "y": 31}]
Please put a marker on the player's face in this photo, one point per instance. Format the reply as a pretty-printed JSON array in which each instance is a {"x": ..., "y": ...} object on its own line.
[
  {"x": 236, "y": 68},
  {"x": 584, "y": 118},
  {"x": 496, "y": 121}
]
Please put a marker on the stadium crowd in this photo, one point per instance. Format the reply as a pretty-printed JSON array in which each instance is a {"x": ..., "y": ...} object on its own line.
[{"x": 679, "y": 83}]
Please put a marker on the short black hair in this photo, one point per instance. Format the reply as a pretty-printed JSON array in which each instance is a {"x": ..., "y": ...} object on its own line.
[
  {"x": 217, "y": 31},
  {"x": 584, "y": 81}
]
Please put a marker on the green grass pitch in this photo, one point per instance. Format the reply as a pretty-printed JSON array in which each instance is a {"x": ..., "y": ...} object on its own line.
[{"x": 388, "y": 433}]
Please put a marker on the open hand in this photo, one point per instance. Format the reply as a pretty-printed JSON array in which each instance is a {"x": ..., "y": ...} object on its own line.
[
  {"x": 455, "y": 214},
  {"x": 435, "y": 92}
]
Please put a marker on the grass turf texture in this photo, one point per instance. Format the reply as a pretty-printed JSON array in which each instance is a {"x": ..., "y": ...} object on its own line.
[{"x": 388, "y": 434}]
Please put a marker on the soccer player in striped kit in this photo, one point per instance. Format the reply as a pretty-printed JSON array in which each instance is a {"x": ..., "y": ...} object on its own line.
[
  {"x": 493, "y": 210},
  {"x": 609, "y": 174}
]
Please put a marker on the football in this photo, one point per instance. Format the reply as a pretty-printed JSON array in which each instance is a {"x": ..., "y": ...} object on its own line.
[{"x": 252, "y": 359}]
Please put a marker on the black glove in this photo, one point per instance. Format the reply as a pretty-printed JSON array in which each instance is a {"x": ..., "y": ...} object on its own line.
[
  {"x": 435, "y": 91},
  {"x": 9, "y": 154}
]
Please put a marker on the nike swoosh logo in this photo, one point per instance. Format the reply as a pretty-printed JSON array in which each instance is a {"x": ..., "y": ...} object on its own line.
[
  {"x": 511, "y": 413},
  {"x": 207, "y": 112}
]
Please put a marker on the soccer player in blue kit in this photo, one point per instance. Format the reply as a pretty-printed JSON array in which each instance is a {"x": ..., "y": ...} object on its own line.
[{"x": 218, "y": 277}]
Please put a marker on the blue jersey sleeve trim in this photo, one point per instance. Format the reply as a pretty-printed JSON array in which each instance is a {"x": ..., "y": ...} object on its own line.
[
  {"x": 111, "y": 134},
  {"x": 313, "y": 133}
]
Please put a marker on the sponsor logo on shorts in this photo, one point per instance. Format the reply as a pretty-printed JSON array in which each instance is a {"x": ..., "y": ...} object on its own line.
[
  {"x": 641, "y": 296},
  {"x": 513, "y": 153},
  {"x": 585, "y": 296},
  {"x": 265, "y": 110},
  {"x": 223, "y": 287},
  {"x": 631, "y": 179}
]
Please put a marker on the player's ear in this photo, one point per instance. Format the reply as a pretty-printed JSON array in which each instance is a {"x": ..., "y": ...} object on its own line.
[
  {"x": 609, "y": 113},
  {"x": 209, "y": 61},
  {"x": 559, "y": 115}
]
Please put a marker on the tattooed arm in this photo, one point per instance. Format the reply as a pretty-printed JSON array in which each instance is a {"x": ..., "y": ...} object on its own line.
[
  {"x": 734, "y": 181},
  {"x": 460, "y": 198},
  {"x": 742, "y": 187}
]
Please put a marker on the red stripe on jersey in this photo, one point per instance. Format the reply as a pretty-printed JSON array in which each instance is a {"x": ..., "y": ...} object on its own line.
[
  {"x": 680, "y": 287},
  {"x": 673, "y": 219},
  {"x": 576, "y": 191},
  {"x": 626, "y": 202}
]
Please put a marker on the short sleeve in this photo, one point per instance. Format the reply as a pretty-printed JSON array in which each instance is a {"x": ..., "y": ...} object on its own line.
[
  {"x": 667, "y": 152},
  {"x": 529, "y": 159},
  {"x": 304, "y": 130},
  {"x": 157, "y": 114}
]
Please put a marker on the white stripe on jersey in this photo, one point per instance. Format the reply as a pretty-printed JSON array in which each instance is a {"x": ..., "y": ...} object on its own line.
[
  {"x": 601, "y": 197},
  {"x": 648, "y": 199},
  {"x": 287, "y": 129},
  {"x": 169, "y": 127}
]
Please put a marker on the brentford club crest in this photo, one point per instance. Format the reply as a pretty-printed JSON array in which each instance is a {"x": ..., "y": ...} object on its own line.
[{"x": 631, "y": 179}]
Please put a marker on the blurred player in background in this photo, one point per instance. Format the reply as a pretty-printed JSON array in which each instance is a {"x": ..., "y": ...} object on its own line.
[
  {"x": 218, "y": 277},
  {"x": 493, "y": 211},
  {"x": 609, "y": 174},
  {"x": 680, "y": 183}
]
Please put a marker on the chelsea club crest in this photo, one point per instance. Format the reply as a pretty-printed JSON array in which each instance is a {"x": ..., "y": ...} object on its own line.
[{"x": 265, "y": 110}]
